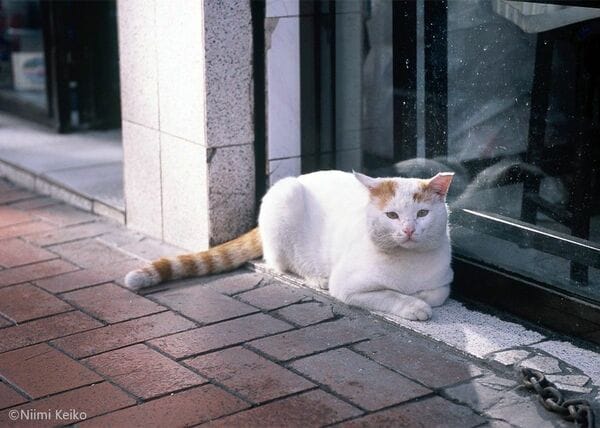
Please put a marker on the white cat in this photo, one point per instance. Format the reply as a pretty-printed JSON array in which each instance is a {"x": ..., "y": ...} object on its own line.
[{"x": 377, "y": 243}]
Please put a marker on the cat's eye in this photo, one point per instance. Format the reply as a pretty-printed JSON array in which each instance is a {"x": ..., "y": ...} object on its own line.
[
  {"x": 422, "y": 213},
  {"x": 392, "y": 215}
]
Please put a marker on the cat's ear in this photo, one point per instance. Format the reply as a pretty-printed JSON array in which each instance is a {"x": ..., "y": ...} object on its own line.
[
  {"x": 365, "y": 180},
  {"x": 440, "y": 183}
]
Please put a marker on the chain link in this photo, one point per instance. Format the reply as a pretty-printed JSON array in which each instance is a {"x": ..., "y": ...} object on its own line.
[{"x": 577, "y": 410}]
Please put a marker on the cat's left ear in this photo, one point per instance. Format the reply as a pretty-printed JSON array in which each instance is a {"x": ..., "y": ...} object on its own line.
[
  {"x": 369, "y": 182},
  {"x": 440, "y": 183}
]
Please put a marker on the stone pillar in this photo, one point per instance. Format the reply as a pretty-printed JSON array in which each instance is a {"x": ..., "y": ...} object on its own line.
[{"x": 188, "y": 134}]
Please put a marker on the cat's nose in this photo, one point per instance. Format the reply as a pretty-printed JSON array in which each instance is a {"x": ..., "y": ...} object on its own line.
[{"x": 408, "y": 230}]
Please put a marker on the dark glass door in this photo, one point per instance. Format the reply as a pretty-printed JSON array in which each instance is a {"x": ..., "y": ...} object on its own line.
[
  {"x": 82, "y": 62},
  {"x": 507, "y": 96},
  {"x": 64, "y": 61},
  {"x": 23, "y": 86}
]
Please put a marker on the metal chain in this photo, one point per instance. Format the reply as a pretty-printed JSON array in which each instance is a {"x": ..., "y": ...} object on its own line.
[{"x": 577, "y": 410}]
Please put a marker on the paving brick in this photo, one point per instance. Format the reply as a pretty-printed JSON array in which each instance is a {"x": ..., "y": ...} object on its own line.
[
  {"x": 233, "y": 283},
  {"x": 497, "y": 423},
  {"x": 44, "y": 329},
  {"x": 419, "y": 359},
  {"x": 481, "y": 393},
  {"x": 92, "y": 400},
  {"x": 67, "y": 234},
  {"x": 542, "y": 363},
  {"x": 89, "y": 253},
  {"x": 32, "y": 204},
  {"x": 40, "y": 370},
  {"x": 4, "y": 322},
  {"x": 14, "y": 252},
  {"x": 112, "y": 303},
  {"x": 308, "y": 340},
  {"x": 34, "y": 271},
  {"x": 229, "y": 283},
  {"x": 8, "y": 398},
  {"x": 272, "y": 296},
  {"x": 310, "y": 409},
  {"x": 510, "y": 357},
  {"x": 70, "y": 407},
  {"x": 25, "y": 302},
  {"x": 248, "y": 374},
  {"x": 151, "y": 249},
  {"x": 524, "y": 411},
  {"x": 362, "y": 381},
  {"x": 63, "y": 215},
  {"x": 10, "y": 216},
  {"x": 86, "y": 277},
  {"x": 23, "y": 229},
  {"x": 574, "y": 383},
  {"x": 432, "y": 412},
  {"x": 220, "y": 335},
  {"x": 306, "y": 314},
  {"x": 119, "y": 335},
  {"x": 185, "y": 408},
  {"x": 121, "y": 236},
  {"x": 143, "y": 371},
  {"x": 6, "y": 186},
  {"x": 203, "y": 305},
  {"x": 15, "y": 195}
]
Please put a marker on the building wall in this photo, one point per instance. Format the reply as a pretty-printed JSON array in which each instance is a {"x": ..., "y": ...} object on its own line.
[
  {"x": 298, "y": 139},
  {"x": 187, "y": 108},
  {"x": 282, "y": 33}
]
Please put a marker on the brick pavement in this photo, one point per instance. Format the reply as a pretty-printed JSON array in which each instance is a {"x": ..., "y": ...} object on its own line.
[{"x": 232, "y": 350}]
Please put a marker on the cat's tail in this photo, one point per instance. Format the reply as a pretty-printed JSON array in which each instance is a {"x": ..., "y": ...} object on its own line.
[{"x": 222, "y": 258}]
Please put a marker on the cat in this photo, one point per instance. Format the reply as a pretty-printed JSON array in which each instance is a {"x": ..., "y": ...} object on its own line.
[{"x": 377, "y": 243}]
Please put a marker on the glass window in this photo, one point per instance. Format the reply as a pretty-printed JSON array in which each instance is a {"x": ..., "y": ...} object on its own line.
[
  {"x": 22, "y": 63},
  {"x": 503, "y": 93},
  {"x": 73, "y": 45}
]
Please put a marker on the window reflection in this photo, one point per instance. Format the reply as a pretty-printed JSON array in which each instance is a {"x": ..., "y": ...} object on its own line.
[
  {"x": 22, "y": 64},
  {"x": 521, "y": 133}
]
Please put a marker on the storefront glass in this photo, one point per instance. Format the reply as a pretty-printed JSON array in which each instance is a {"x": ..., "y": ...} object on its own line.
[
  {"x": 505, "y": 94},
  {"x": 22, "y": 63}
]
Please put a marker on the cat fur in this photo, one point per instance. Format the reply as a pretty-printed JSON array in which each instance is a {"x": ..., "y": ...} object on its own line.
[{"x": 331, "y": 228}]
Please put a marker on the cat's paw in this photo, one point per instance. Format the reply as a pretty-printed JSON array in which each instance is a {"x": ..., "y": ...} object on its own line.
[{"x": 416, "y": 310}]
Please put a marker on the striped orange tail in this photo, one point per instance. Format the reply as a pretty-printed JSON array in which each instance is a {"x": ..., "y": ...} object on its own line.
[{"x": 222, "y": 258}]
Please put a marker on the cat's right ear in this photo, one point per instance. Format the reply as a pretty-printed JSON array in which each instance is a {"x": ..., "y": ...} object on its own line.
[
  {"x": 365, "y": 180},
  {"x": 440, "y": 183}
]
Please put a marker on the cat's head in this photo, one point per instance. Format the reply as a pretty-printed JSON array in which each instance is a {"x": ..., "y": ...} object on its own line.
[{"x": 407, "y": 213}]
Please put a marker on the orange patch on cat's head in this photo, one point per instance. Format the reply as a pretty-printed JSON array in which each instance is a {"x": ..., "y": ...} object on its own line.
[
  {"x": 383, "y": 192},
  {"x": 435, "y": 187},
  {"x": 423, "y": 194}
]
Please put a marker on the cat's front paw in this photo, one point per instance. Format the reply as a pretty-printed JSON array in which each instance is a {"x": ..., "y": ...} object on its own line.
[{"x": 416, "y": 310}]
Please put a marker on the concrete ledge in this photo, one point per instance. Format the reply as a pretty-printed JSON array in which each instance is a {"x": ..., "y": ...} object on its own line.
[{"x": 61, "y": 191}]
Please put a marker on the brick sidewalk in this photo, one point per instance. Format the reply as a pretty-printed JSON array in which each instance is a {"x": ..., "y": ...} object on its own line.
[{"x": 236, "y": 350}]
